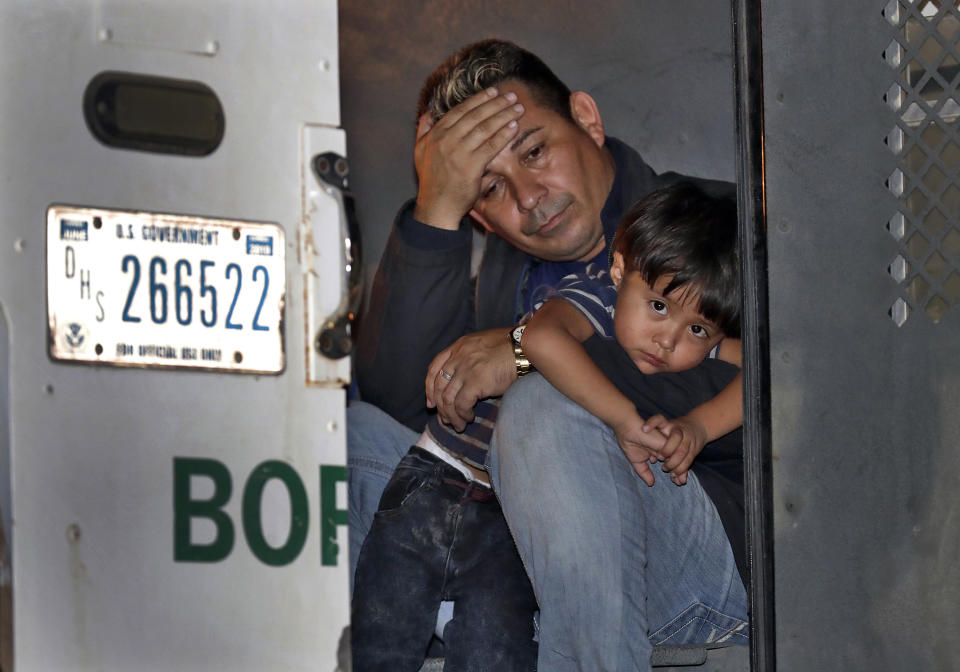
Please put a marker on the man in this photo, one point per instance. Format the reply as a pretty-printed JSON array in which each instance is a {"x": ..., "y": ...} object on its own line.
[{"x": 502, "y": 142}]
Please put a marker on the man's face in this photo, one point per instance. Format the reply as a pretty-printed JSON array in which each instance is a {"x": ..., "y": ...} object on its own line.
[{"x": 544, "y": 191}]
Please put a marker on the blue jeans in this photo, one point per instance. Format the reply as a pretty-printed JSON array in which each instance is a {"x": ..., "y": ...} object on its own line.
[
  {"x": 375, "y": 445},
  {"x": 617, "y": 566},
  {"x": 436, "y": 537}
]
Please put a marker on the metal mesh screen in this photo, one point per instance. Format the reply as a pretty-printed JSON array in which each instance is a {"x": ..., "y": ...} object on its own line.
[{"x": 923, "y": 53}]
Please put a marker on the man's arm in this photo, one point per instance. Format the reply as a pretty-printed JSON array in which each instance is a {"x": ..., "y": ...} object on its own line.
[
  {"x": 421, "y": 301},
  {"x": 422, "y": 297}
]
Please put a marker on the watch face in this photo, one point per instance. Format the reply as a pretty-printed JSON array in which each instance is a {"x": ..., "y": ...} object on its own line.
[{"x": 518, "y": 333}]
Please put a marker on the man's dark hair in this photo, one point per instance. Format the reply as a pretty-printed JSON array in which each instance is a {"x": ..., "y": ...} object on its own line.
[
  {"x": 480, "y": 65},
  {"x": 682, "y": 231}
]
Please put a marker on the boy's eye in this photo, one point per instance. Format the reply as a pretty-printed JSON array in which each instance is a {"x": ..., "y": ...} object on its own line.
[
  {"x": 699, "y": 331},
  {"x": 659, "y": 307}
]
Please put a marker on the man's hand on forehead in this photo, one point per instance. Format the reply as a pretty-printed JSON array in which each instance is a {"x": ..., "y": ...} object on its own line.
[{"x": 452, "y": 153}]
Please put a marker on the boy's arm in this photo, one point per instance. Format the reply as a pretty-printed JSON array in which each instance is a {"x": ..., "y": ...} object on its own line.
[{"x": 553, "y": 343}]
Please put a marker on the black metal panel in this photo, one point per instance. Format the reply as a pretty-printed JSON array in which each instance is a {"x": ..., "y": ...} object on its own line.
[{"x": 865, "y": 421}]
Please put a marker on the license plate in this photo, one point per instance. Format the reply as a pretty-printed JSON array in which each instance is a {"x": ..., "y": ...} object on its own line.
[{"x": 156, "y": 290}]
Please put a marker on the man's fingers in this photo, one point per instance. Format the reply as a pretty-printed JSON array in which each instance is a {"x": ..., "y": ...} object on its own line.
[
  {"x": 463, "y": 403},
  {"x": 456, "y": 113},
  {"x": 446, "y": 404},
  {"x": 432, "y": 381},
  {"x": 435, "y": 388},
  {"x": 430, "y": 386},
  {"x": 477, "y": 126},
  {"x": 490, "y": 134},
  {"x": 456, "y": 401}
]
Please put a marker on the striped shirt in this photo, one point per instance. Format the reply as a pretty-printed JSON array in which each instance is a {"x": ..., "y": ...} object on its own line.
[{"x": 591, "y": 292}]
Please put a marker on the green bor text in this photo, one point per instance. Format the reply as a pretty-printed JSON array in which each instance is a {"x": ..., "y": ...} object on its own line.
[{"x": 185, "y": 509}]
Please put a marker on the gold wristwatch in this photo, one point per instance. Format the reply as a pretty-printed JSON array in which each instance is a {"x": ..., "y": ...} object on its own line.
[{"x": 523, "y": 364}]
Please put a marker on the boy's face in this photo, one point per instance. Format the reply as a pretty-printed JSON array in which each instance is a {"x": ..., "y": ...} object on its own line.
[{"x": 660, "y": 332}]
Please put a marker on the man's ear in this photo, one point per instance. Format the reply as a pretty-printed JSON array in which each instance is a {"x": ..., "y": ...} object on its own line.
[
  {"x": 585, "y": 112},
  {"x": 481, "y": 220},
  {"x": 617, "y": 269}
]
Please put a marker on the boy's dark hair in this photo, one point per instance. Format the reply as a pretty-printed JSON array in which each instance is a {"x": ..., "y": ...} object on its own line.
[
  {"x": 682, "y": 231},
  {"x": 480, "y": 65}
]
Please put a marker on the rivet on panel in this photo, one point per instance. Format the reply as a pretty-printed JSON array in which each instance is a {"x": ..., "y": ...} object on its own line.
[
  {"x": 104, "y": 34},
  {"x": 19, "y": 245},
  {"x": 48, "y": 389},
  {"x": 73, "y": 533},
  {"x": 894, "y": 140},
  {"x": 895, "y": 183},
  {"x": 212, "y": 47},
  {"x": 897, "y": 226},
  {"x": 892, "y": 54},
  {"x": 898, "y": 269},
  {"x": 332, "y": 426},
  {"x": 899, "y": 312},
  {"x": 892, "y": 12},
  {"x": 324, "y": 65}
]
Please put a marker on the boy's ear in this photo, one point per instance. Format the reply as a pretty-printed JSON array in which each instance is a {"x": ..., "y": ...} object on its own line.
[
  {"x": 617, "y": 269},
  {"x": 481, "y": 220},
  {"x": 584, "y": 110}
]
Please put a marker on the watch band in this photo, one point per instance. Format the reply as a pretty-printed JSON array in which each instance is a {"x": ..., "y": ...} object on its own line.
[{"x": 523, "y": 364}]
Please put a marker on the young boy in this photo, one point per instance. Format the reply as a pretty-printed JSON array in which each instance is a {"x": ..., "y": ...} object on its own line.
[
  {"x": 674, "y": 297},
  {"x": 439, "y": 533}
]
